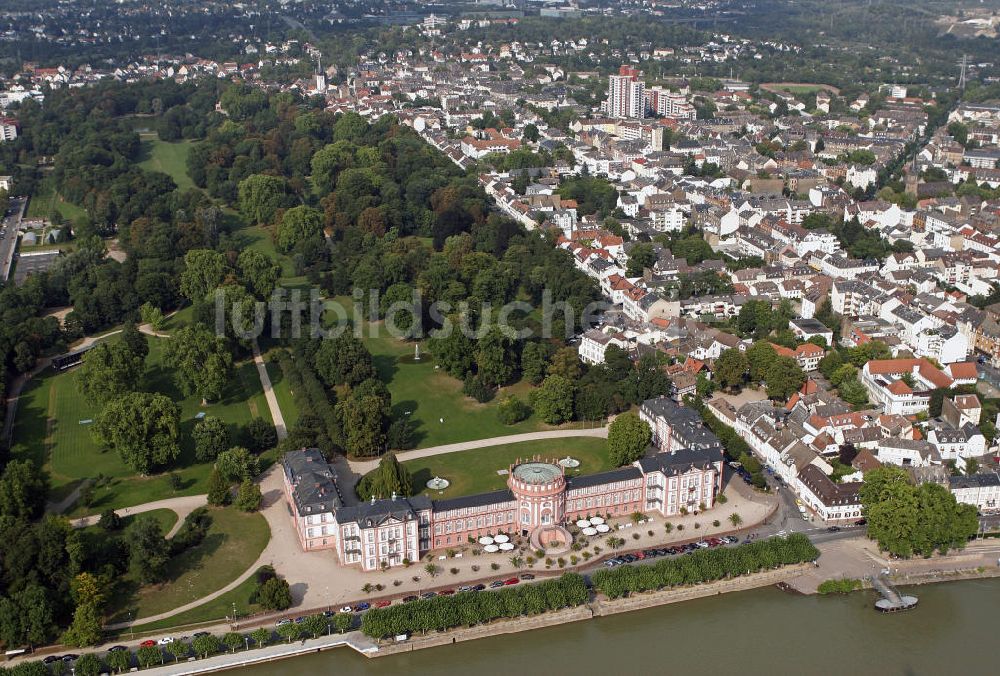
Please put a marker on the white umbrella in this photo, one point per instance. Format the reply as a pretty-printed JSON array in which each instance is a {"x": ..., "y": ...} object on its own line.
[
  {"x": 596, "y": 520},
  {"x": 590, "y": 530},
  {"x": 491, "y": 549},
  {"x": 501, "y": 538},
  {"x": 582, "y": 523},
  {"x": 506, "y": 546},
  {"x": 486, "y": 540},
  {"x": 602, "y": 528}
]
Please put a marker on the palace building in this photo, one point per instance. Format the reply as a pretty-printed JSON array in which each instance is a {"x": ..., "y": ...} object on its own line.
[{"x": 539, "y": 498}]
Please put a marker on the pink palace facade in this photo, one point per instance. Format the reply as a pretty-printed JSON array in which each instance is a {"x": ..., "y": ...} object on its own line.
[{"x": 539, "y": 495}]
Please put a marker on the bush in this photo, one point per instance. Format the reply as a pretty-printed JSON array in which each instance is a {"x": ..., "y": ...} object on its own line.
[
  {"x": 275, "y": 594},
  {"x": 446, "y": 612},
  {"x": 192, "y": 532},
  {"x": 259, "y": 435},
  {"x": 512, "y": 410},
  {"x": 843, "y": 586},
  {"x": 477, "y": 388}
]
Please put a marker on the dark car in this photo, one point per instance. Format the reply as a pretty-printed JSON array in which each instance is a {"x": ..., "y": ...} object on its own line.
[
  {"x": 117, "y": 648},
  {"x": 527, "y": 576},
  {"x": 496, "y": 584},
  {"x": 833, "y": 529},
  {"x": 479, "y": 587},
  {"x": 299, "y": 620},
  {"x": 428, "y": 595},
  {"x": 71, "y": 657},
  {"x": 408, "y": 599},
  {"x": 199, "y": 633},
  {"x": 861, "y": 522},
  {"x": 364, "y": 605},
  {"x": 51, "y": 658},
  {"x": 447, "y": 592}
]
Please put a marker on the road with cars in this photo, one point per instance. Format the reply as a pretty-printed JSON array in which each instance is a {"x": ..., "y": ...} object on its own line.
[{"x": 9, "y": 225}]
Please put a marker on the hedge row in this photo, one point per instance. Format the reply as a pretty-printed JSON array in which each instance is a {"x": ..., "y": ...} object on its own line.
[
  {"x": 471, "y": 608},
  {"x": 311, "y": 398},
  {"x": 705, "y": 565}
]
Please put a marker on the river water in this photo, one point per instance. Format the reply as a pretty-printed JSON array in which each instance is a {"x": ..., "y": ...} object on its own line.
[{"x": 764, "y": 631}]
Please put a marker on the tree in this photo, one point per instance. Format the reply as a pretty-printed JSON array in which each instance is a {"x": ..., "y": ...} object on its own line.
[
  {"x": 260, "y": 435},
  {"x": 89, "y": 664},
  {"x": 258, "y": 272},
  {"x": 495, "y": 357},
  {"x": 179, "y": 650},
  {"x": 640, "y": 257},
  {"x": 432, "y": 569},
  {"x": 735, "y": 519},
  {"x": 298, "y": 224},
  {"x": 553, "y": 400},
  {"x": 853, "y": 392},
  {"x": 248, "y": 497},
  {"x": 343, "y": 361},
  {"x": 731, "y": 368},
  {"x": 36, "y": 615},
  {"x": 23, "y": 489},
  {"x": 628, "y": 437},
  {"x": 218, "y": 488},
  {"x": 275, "y": 594},
  {"x": 211, "y": 437},
  {"x": 565, "y": 363},
  {"x": 512, "y": 410},
  {"x": 134, "y": 342},
  {"x": 237, "y": 464},
  {"x": 315, "y": 625},
  {"x": 109, "y": 370},
  {"x": 534, "y": 360},
  {"x": 86, "y": 626},
  {"x": 843, "y": 373},
  {"x": 149, "y": 655},
  {"x": 233, "y": 641},
  {"x": 329, "y": 161},
  {"x": 120, "y": 660},
  {"x": 343, "y": 622},
  {"x": 206, "y": 644},
  {"x": 261, "y": 636},
  {"x": 759, "y": 356},
  {"x": 289, "y": 631},
  {"x": 148, "y": 550},
  {"x": 143, "y": 429},
  {"x": 453, "y": 352},
  {"x": 364, "y": 416},
  {"x": 260, "y": 196},
  {"x": 889, "y": 504},
  {"x": 783, "y": 377},
  {"x": 388, "y": 479},
  {"x": 152, "y": 315},
  {"x": 204, "y": 270},
  {"x": 201, "y": 361}
]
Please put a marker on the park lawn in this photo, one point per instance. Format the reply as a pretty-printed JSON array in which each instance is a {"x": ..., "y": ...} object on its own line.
[
  {"x": 289, "y": 411},
  {"x": 48, "y": 428},
  {"x": 233, "y": 543},
  {"x": 46, "y": 198},
  {"x": 210, "y": 612},
  {"x": 428, "y": 396},
  {"x": 475, "y": 471},
  {"x": 167, "y": 158},
  {"x": 167, "y": 518}
]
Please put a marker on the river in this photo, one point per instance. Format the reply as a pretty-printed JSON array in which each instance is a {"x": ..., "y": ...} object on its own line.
[{"x": 764, "y": 631}]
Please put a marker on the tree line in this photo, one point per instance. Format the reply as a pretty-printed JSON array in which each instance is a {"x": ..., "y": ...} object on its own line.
[{"x": 705, "y": 565}]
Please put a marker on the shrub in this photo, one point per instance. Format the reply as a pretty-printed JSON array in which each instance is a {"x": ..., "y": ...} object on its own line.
[
  {"x": 842, "y": 586},
  {"x": 512, "y": 410}
]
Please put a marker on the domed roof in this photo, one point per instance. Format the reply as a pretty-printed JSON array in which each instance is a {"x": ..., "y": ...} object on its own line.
[{"x": 537, "y": 472}]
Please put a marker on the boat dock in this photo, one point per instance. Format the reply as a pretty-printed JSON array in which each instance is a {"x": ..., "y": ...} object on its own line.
[{"x": 892, "y": 601}]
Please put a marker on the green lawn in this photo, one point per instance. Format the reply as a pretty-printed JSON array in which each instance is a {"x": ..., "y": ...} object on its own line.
[
  {"x": 212, "y": 611},
  {"x": 167, "y": 158},
  {"x": 46, "y": 198},
  {"x": 234, "y": 541},
  {"x": 475, "y": 471},
  {"x": 428, "y": 396},
  {"x": 49, "y": 429}
]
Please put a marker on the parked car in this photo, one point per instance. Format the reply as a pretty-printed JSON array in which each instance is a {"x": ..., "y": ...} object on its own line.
[
  {"x": 345, "y": 609},
  {"x": 447, "y": 592},
  {"x": 364, "y": 605},
  {"x": 117, "y": 648},
  {"x": 409, "y": 599},
  {"x": 527, "y": 576},
  {"x": 383, "y": 604},
  {"x": 282, "y": 623},
  {"x": 465, "y": 588},
  {"x": 479, "y": 587},
  {"x": 199, "y": 633},
  {"x": 428, "y": 595},
  {"x": 52, "y": 658},
  {"x": 496, "y": 584},
  {"x": 71, "y": 657},
  {"x": 147, "y": 643},
  {"x": 512, "y": 580},
  {"x": 166, "y": 640},
  {"x": 300, "y": 620},
  {"x": 611, "y": 563},
  {"x": 833, "y": 529}
]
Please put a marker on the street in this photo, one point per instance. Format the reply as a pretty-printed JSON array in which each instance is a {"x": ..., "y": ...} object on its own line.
[{"x": 8, "y": 231}]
